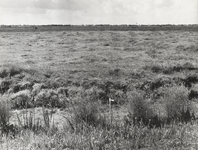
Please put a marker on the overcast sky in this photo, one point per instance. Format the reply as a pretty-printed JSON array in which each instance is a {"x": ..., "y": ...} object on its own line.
[{"x": 38, "y": 12}]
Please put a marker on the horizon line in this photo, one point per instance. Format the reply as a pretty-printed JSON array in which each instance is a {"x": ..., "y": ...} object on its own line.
[{"x": 96, "y": 24}]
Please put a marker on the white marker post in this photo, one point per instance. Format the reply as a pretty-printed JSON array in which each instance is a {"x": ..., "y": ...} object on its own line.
[{"x": 110, "y": 110}]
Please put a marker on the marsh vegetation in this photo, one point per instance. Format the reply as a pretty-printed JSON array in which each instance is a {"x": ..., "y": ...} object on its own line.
[{"x": 55, "y": 89}]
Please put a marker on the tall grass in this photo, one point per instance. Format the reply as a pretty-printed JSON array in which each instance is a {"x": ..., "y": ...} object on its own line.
[
  {"x": 88, "y": 129},
  {"x": 4, "y": 115},
  {"x": 28, "y": 121},
  {"x": 118, "y": 137}
]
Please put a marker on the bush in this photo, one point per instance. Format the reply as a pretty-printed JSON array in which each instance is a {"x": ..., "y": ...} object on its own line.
[
  {"x": 20, "y": 86},
  {"x": 193, "y": 95},
  {"x": 157, "y": 68},
  {"x": 139, "y": 108},
  {"x": 3, "y": 73},
  {"x": 118, "y": 95},
  {"x": 75, "y": 93},
  {"x": 4, "y": 85},
  {"x": 63, "y": 96},
  {"x": 14, "y": 70},
  {"x": 115, "y": 72},
  {"x": 94, "y": 94},
  {"x": 87, "y": 113},
  {"x": 37, "y": 88},
  {"x": 177, "y": 104},
  {"x": 10, "y": 71},
  {"x": 21, "y": 99},
  {"x": 47, "y": 98}
]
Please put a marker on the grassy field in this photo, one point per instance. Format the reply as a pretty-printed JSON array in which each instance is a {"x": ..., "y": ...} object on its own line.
[{"x": 55, "y": 89}]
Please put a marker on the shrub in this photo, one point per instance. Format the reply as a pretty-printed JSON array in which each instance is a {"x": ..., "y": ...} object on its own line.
[
  {"x": 94, "y": 94},
  {"x": 52, "y": 84},
  {"x": 157, "y": 68},
  {"x": 115, "y": 72},
  {"x": 176, "y": 103},
  {"x": 118, "y": 95},
  {"x": 5, "y": 85},
  {"x": 63, "y": 96},
  {"x": 21, "y": 86},
  {"x": 14, "y": 70},
  {"x": 189, "y": 66},
  {"x": 37, "y": 88},
  {"x": 193, "y": 94},
  {"x": 190, "y": 79},
  {"x": 47, "y": 98},
  {"x": 21, "y": 99},
  {"x": 62, "y": 91},
  {"x": 3, "y": 73},
  {"x": 88, "y": 114},
  {"x": 138, "y": 107},
  {"x": 75, "y": 91},
  {"x": 10, "y": 71}
]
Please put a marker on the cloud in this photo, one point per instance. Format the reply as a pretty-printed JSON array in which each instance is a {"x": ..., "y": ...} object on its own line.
[
  {"x": 98, "y": 11},
  {"x": 61, "y": 4},
  {"x": 163, "y": 3},
  {"x": 46, "y": 4}
]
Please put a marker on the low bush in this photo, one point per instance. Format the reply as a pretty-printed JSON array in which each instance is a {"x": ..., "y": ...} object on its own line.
[
  {"x": 169, "y": 69},
  {"x": 14, "y": 70},
  {"x": 74, "y": 91},
  {"x": 37, "y": 88},
  {"x": 62, "y": 91},
  {"x": 177, "y": 105},
  {"x": 3, "y": 73},
  {"x": 118, "y": 95},
  {"x": 20, "y": 86},
  {"x": 190, "y": 79},
  {"x": 87, "y": 114},
  {"x": 10, "y": 71},
  {"x": 5, "y": 85},
  {"x": 139, "y": 109},
  {"x": 21, "y": 99},
  {"x": 47, "y": 98},
  {"x": 115, "y": 72},
  {"x": 157, "y": 68},
  {"x": 94, "y": 94},
  {"x": 193, "y": 95}
]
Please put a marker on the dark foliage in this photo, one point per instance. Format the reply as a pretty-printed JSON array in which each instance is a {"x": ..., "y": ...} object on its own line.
[
  {"x": 193, "y": 94},
  {"x": 4, "y": 86}
]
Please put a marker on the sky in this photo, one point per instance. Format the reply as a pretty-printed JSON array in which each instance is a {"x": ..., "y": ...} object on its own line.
[{"x": 78, "y": 12}]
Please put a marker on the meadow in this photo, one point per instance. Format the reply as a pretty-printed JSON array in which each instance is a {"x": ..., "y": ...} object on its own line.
[{"x": 55, "y": 88}]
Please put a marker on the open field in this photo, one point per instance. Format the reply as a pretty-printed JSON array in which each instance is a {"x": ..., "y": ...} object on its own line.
[{"x": 64, "y": 70}]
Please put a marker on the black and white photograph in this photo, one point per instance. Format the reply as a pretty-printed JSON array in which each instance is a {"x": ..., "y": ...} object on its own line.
[{"x": 98, "y": 74}]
